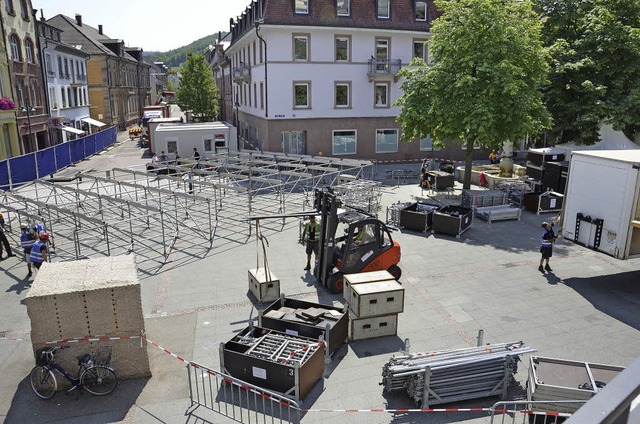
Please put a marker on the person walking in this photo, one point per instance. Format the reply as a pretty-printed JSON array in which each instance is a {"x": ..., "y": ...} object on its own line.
[
  {"x": 27, "y": 240},
  {"x": 546, "y": 247},
  {"x": 196, "y": 154},
  {"x": 163, "y": 158},
  {"x": 312, "y": 235},
  {"x": 3, "y": 240},
  {"x": 39, "y": 252}
]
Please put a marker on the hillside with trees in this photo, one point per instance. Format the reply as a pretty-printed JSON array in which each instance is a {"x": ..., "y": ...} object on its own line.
[{"x": 177, "y": 57}]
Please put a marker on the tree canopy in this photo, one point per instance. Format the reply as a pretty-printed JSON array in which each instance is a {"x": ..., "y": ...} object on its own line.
[
  {"x": 595, "y": 66},
  {"x": 483, "y": 85},
  {"x": 197, "y": 92}
]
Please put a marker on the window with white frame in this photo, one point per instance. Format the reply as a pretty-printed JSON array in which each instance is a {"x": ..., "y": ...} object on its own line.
[
  {"x": 343, "y": 94},
  {"x": 382, "y": 94},
  {"x": 301, "y": 95},
  {"x": 15, "y": 48},
  {"x": 344, "y": 142},
  {"x": 387, "y": 141},
  {"x": 28, "y": 49},
  {"x": 384, "y": 11},
  {"x": 427, "y": 144},
  {"x": 343, "y": 7},
  {"x": 421, "y": 11},
  {"x": 420, "y": 49},
  {"x": 300, "y": 47},
  {"x": 302, "y": 6},
  {"x": 342, "y": 48}
]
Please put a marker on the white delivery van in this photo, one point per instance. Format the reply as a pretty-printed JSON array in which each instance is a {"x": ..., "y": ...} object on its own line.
[
  {"x": 602, "y": 201},
  {"x": 208, "y": 138}
]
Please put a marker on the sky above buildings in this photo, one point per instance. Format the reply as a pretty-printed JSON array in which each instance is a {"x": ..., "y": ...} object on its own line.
[{"x": 154, "y": 25}]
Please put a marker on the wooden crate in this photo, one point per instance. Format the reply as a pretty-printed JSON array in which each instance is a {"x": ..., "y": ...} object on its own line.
[
  {"x": 372, "y": 327},
  {"x": 361, "y": 278},
  {"x": 377, "y": 298},
  {"x": 266, "y": 288}
]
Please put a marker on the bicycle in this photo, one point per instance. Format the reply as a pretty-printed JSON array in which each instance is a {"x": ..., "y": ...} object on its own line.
[{"x": 96, "y": 377}]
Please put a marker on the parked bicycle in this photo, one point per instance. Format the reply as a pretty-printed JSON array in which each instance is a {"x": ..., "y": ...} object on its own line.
[{"x": 95, "y": 375}]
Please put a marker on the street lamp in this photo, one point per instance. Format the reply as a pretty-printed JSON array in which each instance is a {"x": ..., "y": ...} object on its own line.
[{"x": 28, "y": 109}]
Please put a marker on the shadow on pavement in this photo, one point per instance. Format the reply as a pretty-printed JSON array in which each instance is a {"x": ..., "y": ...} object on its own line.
[
  {"x": 26, "y": 407},
  {"x": 617, "y": 295}
]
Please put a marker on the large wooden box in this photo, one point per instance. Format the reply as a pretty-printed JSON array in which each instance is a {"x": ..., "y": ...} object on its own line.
[
  {"x": 332, "y": 325},
  {"x": 236, "y": 359},
  {"x": 372, "y": 327},
  {"x": 87, "y": 298},
  {"x": 361, "y": 278},
  {"x": 264, "y": 285},
  {"x": 453, "y": 220},
  {"x": 377, "y": 298}
]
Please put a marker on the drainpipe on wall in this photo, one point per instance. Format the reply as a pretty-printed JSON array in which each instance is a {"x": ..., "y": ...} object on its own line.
[{"x": 266, "y": 79}]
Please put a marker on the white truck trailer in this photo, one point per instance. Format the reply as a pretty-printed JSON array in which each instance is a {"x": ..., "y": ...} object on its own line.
[
  {"x": 208, "y": 138},
  {"x": 602, "y": 201}
]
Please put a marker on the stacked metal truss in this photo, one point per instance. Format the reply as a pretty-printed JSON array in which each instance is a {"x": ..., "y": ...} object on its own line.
[
  {"x": 452, "y": 375},
  {"x": 481, "y": 198},
  {"x": 364, "y": 195}
]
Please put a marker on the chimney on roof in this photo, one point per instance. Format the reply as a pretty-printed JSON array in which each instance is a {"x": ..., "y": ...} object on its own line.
[
  {"x": 42, "y": 19},
  {"x": 100, "y": 29},
  {"x": 79, "y": 19}
]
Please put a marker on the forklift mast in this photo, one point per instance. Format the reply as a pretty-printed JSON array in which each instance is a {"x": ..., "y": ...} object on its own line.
[{"x": 326, "y": 203}]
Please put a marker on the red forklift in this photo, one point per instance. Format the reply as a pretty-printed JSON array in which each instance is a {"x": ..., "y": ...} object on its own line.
[{"x": 351, "y": 241}]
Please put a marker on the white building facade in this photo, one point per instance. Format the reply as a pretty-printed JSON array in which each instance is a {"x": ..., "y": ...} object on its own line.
[
  {"x": 65, "y": 71},
  {"x": 320, "y": 77}
]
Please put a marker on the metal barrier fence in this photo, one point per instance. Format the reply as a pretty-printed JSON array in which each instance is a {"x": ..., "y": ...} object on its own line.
[
  {"x": 26, "y": 168},
  {"x": 538, "y": 412},
  {"x": 236, "y": 399}
]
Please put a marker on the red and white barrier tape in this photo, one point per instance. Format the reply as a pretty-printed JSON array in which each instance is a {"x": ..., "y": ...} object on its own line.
[
  {"x": 83, "y": 339},
  {"x": 165, "y": 350}
]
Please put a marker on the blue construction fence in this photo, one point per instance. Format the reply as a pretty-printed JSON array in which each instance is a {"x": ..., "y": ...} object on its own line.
[{"x": 19, "y": 170}]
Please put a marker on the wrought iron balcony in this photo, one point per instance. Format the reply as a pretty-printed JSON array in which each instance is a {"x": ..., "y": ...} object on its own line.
[
  {"x": 79, "y": 79},
  {"x": 384, "y": 69},
  {"x": 242, "y": 73}
]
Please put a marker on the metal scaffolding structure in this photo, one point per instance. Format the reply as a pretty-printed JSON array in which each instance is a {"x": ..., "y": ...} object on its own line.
[{"x": 205, "y": 205}]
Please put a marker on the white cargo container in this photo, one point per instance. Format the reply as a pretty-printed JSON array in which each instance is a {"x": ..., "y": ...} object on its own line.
[
  {"x": 602, "y": 202},
  {"x": 208, "y": 138}
]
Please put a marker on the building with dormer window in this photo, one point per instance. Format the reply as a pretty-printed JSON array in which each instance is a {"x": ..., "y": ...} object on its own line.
[
  {"x": 65, "y": 73},
  {"x": 321, "y": 76},
  {"x": 117, "y": 76}
]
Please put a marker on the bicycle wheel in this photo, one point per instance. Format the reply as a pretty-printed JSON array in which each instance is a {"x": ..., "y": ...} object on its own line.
[
  {"x": 43, "y": 382},
  {"x": 99, "y": 380}
]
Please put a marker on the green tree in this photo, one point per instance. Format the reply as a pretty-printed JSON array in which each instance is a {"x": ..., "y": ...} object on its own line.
[
  {"x": 595, "y": 66},
  {"x": 170, "y": 86},
  {"x": 197, "y": 92},
  {"x": 483, "y": 85}
]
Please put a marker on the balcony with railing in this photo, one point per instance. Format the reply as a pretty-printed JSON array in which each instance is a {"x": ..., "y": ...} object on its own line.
[
  {"x": 51, "y": 74},
  {"x": 79, "y": 79},
  {"x": 242, "y": 73},
  {"x": 384, "y": 69}
]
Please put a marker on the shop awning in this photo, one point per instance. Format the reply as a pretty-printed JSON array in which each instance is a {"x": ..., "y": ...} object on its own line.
[
  {"x": 71, "y": 130},
  {"x": 94, "y": 122}
]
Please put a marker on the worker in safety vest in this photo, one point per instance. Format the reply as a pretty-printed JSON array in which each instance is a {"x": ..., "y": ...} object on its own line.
[
  {"x": 312, "y": 236},
  {"x": 39, "y": 251},
  {"x": 27, "y": 239}
]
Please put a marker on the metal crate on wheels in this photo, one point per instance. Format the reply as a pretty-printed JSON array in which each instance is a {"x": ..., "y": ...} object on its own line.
[
  {"x": 314, "y": 320},
  {"x": 277, "y": 361},
  {"x": 418, "y": 216},
  {"x": 549, "y": 201},
  {"x": 453, "y": 220}
]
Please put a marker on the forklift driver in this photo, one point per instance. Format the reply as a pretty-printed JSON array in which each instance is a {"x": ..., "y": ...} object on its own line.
[{"x": 362, "y": 236}]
